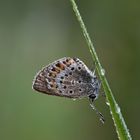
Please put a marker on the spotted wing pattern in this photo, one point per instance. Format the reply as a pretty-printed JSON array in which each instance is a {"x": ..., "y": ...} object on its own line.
[{"x": 66, "y": 77}]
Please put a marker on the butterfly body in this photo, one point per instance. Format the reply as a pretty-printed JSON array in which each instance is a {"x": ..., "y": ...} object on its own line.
[{"x": 67, "y": 77}]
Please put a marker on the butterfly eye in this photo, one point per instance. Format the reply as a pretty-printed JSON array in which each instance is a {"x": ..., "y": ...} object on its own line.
[
  {"x": 65, "y": 87},
  {"x": 66, "y": 75}
]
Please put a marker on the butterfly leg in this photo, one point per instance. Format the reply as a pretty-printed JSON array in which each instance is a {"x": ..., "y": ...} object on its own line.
[{"x": 91, "y": 100}]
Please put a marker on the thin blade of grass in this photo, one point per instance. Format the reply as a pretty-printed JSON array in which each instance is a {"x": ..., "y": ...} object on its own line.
[{"x": 121, "y": 128}]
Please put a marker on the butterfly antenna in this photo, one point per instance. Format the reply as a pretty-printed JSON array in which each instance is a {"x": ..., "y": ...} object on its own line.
[{"x": 97, "y": 112}]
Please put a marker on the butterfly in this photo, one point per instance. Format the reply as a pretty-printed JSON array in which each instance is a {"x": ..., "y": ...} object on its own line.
[{"x": 68, "y": 77}]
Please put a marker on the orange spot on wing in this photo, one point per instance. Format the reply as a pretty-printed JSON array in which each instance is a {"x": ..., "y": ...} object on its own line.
[
  {"x": 60, "y": 66},
  {"x": 69, "y": 61},
  {"x": 52, "y": 74}
]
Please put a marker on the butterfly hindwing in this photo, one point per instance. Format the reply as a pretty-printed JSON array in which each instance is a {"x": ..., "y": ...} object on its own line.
[{"x": 68, "y": 77}]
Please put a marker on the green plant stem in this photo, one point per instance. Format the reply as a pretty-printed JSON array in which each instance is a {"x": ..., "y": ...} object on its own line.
[{"x": 121, "y": 128}]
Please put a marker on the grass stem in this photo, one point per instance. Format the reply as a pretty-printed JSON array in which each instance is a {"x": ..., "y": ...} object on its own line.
[{"x": 121, "y": 128}]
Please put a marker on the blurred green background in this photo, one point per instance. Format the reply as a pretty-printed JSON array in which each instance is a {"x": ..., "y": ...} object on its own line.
[{"x": 35, "y": 33}]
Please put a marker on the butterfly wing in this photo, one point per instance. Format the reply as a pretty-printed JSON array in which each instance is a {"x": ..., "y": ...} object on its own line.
[{"x": 66, "y": 77}]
